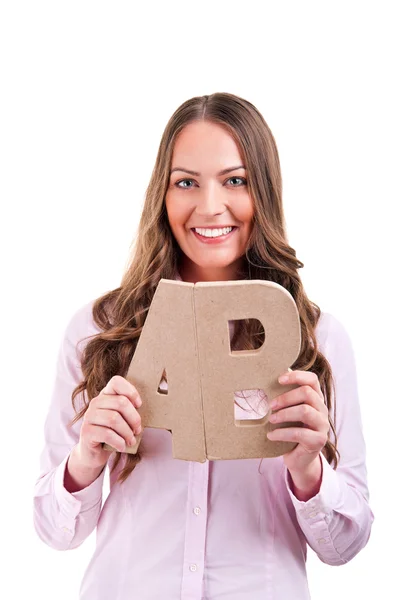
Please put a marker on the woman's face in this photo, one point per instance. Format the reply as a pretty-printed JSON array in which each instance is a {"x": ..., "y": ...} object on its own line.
[{"x": 209, "y": 208}]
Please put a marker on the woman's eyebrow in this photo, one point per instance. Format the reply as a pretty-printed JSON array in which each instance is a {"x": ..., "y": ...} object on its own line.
[{"x": 223, "y": 172}]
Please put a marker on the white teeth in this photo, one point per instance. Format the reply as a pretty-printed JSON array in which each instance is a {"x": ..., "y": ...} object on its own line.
[{"x": 213, "y": 232}]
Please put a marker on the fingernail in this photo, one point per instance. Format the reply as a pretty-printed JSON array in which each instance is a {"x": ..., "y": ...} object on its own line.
[
  {"x": 283, "y": 379},
  {"x": 138, "y": 429},
  {"x": 139, "y": 401},
  {"x": 273, "y": 404}
]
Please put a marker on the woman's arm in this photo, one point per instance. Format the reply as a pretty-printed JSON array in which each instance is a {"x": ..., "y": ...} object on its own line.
[
  {"x": 77, "y": 476},
  {"x": 336, "y": 521},
  {"x": 64, "y": 518}
]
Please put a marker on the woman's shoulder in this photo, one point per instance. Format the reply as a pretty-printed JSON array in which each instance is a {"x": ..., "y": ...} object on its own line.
[
  {"x": 331, "y": 332},
  {"x": 81, "y": 326}
]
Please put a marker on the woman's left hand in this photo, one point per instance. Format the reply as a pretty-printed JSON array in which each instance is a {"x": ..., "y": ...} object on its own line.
[{"x": 305, "y": 404}]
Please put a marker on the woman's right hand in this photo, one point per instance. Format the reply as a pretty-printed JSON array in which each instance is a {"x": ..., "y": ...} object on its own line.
[{"x": 111, "y": 418}]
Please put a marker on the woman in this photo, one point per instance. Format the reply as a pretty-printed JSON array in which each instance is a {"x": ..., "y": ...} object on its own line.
[{"x": 233, "y": 529}]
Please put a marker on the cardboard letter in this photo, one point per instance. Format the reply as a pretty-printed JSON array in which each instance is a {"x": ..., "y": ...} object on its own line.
[
  {"x": 223, "y": 372},
  {"x": 167, "y": 342},
  {"x": 186, "y": 333}
]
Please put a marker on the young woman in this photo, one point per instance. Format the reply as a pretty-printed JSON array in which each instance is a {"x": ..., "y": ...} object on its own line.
[{"x": 234, "y": 529}]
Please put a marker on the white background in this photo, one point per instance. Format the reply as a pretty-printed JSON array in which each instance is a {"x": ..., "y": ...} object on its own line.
[{"x": 86, "y": 91}]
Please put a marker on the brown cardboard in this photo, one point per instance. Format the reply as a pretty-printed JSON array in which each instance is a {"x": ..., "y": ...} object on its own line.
[
  {"x": 186, "y": 334},
  {"x": 223, "y": 372},
  {"x": 168, "y": 342}
]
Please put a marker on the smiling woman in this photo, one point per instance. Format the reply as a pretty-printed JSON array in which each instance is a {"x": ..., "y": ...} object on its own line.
[
  {"x": 213, "y": 218},
  {"x": 223, "y": 529}
]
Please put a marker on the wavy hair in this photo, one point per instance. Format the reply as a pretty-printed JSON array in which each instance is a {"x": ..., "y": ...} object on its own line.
[{"x": 121, "y": 313}]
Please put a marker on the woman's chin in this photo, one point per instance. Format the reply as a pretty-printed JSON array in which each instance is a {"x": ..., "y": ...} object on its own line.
[{"x": 216, "y": 270}]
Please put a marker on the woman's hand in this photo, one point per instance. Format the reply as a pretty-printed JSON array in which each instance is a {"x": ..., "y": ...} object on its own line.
[
  {"x": 305, "y": 404},
  {"x": 111, "y": 418}
]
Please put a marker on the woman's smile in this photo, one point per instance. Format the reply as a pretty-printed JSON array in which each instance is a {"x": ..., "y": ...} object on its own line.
[{"x": 213, "y": 235}]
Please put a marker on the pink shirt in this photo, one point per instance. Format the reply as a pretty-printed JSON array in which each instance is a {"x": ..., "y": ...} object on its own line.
[{"x": 216, "y": 530}]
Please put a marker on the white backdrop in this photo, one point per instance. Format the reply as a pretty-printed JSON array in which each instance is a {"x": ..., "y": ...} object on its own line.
[{"x": 86, "y": 90}]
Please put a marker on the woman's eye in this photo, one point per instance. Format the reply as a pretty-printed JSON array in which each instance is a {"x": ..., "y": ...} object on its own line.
[
  {"x": 242, "y": 179},
  {"x": 239, "y": 178},
  {"x": 182, "y": 181}
]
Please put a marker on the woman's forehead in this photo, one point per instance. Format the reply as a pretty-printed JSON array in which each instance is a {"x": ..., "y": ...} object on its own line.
[{"x": 205, "y": 147}]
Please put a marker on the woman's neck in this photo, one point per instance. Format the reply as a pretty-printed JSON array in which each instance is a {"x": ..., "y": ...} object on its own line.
[{"x": 193, "y": 273}]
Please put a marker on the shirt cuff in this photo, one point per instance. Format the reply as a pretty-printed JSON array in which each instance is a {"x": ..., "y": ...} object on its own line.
[
  {"x": 71, "y": 504},
  {"x": 323, "y": 503}
]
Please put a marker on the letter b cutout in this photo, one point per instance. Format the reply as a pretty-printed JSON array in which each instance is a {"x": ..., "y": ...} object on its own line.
[{"x": 223, "y": 372}]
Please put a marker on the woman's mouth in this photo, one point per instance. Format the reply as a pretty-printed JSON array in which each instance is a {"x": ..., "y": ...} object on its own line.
[{"x": 212, "y": 235}]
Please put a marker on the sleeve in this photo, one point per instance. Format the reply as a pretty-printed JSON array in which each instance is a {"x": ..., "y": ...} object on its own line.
[
  {"x": 61, "y": 519},
  {"x": 337, "y": 521}
]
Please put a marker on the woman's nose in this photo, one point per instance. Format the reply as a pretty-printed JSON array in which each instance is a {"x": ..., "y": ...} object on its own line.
[{"x": 210, "y": 201}]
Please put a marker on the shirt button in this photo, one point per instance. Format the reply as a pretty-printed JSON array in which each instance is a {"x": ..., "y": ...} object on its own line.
[
  {"x": 66, "y": 529},
  {"x": 322, "y": 540},
  {"x": 197, "y": 510},
  {"x": 193, "y": 568},
  {"x": 313, "y": 514}
]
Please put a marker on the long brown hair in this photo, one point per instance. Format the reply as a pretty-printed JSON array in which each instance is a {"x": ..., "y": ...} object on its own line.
[{"x": 121, "y": 313}]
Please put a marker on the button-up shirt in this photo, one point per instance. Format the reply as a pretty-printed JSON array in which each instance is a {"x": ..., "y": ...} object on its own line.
[{"x": 226, "y": 529}]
